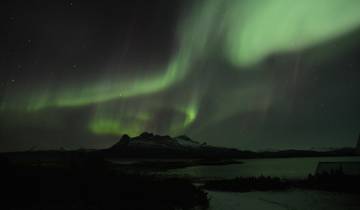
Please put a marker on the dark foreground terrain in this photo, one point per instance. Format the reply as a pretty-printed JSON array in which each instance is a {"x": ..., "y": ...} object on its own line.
[
  {"x": 90, "y": 183},
  {"x": 85, "y": 180}
]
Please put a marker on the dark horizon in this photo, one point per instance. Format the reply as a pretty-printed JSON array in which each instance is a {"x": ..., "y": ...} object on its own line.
[
  {"x": 260, "y": 153},
  {"x": 79, "y": 74}
]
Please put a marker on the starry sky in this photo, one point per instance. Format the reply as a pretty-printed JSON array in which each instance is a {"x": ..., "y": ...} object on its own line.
[{"x": 259, "y": 75}]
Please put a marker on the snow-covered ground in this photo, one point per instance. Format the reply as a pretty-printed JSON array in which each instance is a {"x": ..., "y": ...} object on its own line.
[{"x": 288, "y": 200}]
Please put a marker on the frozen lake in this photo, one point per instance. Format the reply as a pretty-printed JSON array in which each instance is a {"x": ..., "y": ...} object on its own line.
[
  {"x": 284, "y": 200},
  {"x": 281, "y": 200},
  {"x": 280, "y": 167}
]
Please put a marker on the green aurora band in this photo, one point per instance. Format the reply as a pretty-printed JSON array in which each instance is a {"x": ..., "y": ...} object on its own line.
[
  {"x": 245, "y": 32},
  {"x": 257, "y": 29}
]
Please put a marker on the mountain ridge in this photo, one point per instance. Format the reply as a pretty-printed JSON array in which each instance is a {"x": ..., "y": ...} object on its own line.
[{"x": 152, "y": 145}]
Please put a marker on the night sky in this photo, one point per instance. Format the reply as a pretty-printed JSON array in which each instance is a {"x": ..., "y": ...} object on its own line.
[{"x": 270, "y": 74}]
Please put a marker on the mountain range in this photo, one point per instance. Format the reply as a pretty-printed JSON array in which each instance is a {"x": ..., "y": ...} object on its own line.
[
  {"x": 157, "y": 146},
  {"x": 148, "y": 145}
]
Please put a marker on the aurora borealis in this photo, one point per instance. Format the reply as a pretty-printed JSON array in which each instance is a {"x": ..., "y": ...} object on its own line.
[{"x": 237, "y": 73}]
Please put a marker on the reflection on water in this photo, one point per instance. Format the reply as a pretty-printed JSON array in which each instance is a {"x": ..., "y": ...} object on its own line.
[{"x": 281, "y": 167}]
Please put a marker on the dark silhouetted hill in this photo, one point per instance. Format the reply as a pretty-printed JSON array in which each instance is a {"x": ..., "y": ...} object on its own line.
[{"x": 157, "y": 146}]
